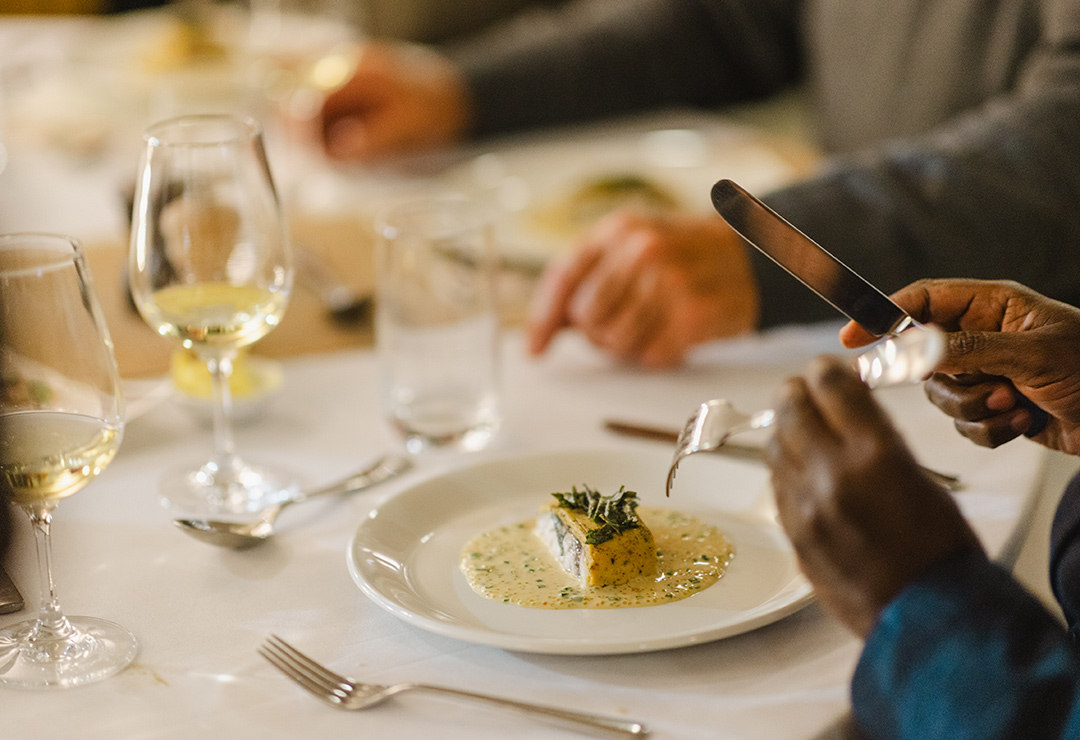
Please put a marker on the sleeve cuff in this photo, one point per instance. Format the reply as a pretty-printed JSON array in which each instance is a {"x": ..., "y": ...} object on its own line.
[{"x": 965, "y": 652}]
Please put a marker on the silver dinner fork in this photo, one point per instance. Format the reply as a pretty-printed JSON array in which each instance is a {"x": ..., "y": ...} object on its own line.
[
  {"x": 347, "y": 693},
  {"x": 908, "y": 357}
]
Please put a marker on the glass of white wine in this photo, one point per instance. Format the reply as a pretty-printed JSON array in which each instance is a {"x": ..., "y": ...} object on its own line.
[
  {"x": 211, "y": 268},
  {"x": 60, "y": 425}
]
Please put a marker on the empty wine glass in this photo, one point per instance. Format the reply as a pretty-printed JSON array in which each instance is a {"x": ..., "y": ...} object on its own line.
[
  {"x": 60, "y": 426},
  {"x": 211, "y": 267}
]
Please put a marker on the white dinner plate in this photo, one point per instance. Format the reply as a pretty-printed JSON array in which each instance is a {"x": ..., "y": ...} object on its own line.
[{"x": 405, "y": 555}]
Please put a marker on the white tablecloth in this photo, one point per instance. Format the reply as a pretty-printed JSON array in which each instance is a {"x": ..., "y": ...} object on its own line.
[{"x": 200, "y": 612}]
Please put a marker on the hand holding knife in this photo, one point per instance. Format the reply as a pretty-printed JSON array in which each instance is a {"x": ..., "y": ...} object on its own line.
[{"x": 823, "y": 273}]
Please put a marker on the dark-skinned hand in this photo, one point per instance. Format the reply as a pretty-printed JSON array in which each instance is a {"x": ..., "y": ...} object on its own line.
[
  {"x": 1004, "y": 339},
  {"x": 864, "y": 519}
]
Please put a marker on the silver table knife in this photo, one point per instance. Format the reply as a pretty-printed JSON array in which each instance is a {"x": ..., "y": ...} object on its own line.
[
  {"x": 10, "y": 598},
  {"x": 808, "y": 261},
  {"x": 817, "y": 269}
]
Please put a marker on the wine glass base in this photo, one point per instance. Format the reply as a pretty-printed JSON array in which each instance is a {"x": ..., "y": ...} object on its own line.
[
  {"x": 96, "y": 650},
  {"x": 237, "y": 490}
]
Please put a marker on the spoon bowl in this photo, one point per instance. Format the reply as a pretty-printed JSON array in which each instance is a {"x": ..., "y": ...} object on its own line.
[{"x": 241, "y": 535}]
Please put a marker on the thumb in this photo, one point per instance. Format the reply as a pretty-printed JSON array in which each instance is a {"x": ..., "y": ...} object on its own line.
[
  {"x": 988, "y": 352},
  {"x": 853, "y": 335}
]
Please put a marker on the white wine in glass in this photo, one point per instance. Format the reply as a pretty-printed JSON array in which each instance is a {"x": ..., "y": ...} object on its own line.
[
  {"x": 211, "y": 268},
  {"x": 60, "y": 426}
]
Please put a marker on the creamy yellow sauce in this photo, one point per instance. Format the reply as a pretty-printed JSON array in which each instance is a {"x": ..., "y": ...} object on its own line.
[{"x": 511, "y": 564}]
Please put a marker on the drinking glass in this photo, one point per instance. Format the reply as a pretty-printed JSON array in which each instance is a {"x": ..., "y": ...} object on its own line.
[
  {"x": 60, "y": 426},
  {"x": 211, "y": 268},
  {"x": 437, "y": 322}
]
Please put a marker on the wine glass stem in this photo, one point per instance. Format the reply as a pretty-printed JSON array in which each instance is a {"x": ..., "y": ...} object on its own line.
[
  {"x": 52, "y": 624},
  {"x": 221, "y": 368}
]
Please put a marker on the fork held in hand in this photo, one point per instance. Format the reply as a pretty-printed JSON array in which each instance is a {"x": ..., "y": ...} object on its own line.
[
  {"x": 346, "y": 693},
  {"x": 908, "y": 357}
]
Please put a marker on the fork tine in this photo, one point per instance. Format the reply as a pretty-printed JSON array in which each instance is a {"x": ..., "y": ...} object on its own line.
[
  {"x": 307, "y": 664},
  {"x": 327, "y": 694},
  {"x": 685, "y": 435},
  {"x": 671, "y": 478},
  {"x": 320, "y": 682}
]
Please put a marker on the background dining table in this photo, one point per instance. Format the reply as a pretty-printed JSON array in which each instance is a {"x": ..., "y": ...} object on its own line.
[{"x": 200, "y": 613}]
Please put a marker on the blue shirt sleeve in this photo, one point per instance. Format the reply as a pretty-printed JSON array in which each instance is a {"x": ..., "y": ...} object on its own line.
[{"x": 966, "y": 652}]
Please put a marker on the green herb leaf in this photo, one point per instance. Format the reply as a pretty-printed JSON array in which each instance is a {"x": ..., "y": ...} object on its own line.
[{"x": 614, "y": 514}]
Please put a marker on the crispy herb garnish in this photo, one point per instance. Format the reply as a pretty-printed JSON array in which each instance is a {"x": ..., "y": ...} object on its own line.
[{"x": 615, "y": 513}]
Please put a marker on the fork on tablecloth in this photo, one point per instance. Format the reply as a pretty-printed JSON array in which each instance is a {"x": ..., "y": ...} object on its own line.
[{"x": 347, "y": 693}]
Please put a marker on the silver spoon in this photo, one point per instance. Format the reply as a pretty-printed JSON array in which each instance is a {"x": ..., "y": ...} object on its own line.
[{"x": 239, "y": 535}]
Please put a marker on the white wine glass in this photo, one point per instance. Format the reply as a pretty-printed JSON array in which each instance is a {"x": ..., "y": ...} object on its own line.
[
  {"x": 211, "y": 268},
  {"x": 60, "y": 425}
]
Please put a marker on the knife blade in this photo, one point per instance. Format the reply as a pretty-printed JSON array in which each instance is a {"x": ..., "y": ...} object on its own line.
[
  {"x": 808, "y": 261},
  {"x": 10, "y": 598}
]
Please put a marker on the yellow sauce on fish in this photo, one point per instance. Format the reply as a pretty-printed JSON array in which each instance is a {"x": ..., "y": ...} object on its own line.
[{"x": 511, "y": 564}]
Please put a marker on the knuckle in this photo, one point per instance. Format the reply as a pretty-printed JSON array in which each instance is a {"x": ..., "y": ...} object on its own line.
[
  {"x": 964, "y": 343},
  {"x": 977, "y": 432}
]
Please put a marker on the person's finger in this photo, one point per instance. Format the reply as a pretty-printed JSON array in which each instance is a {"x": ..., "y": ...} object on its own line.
[
  {"x": 1020, "y": 356},
  {"x": 345, "y": 111},
  {"x": 995, "y": 431},
  {"x": 800, "y": 431},
  {"x": 548, "y": 311},
  {"x": 853, "y": 335},
  {"x": 956, "y": 303},
  {"x": 961, "y": 399},
  {"x": 641, "y": 318},
  {"x": 952, "y": 304},
  {"x": 601, "y": 295},
  {"x": 844, "y": 401},
  {"x": 624, "y": 245},
  {"x": 803, "y": 456},
  {"x": 346, "y": 138}
]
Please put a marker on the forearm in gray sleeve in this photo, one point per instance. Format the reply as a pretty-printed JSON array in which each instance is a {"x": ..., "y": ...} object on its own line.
[
  {"x": 995, "y": 194},
  {"x": 593, "y": 59}
]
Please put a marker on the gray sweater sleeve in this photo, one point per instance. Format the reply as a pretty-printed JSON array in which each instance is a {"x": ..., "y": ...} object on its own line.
[
  {"x": 992, "y": 194},
  {"x": 595, "y": 58}
]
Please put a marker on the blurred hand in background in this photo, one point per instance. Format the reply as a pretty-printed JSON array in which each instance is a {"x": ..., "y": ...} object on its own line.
[
  {"x": 401, "y": 99},
  {"x": 647, "y": 288}
]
